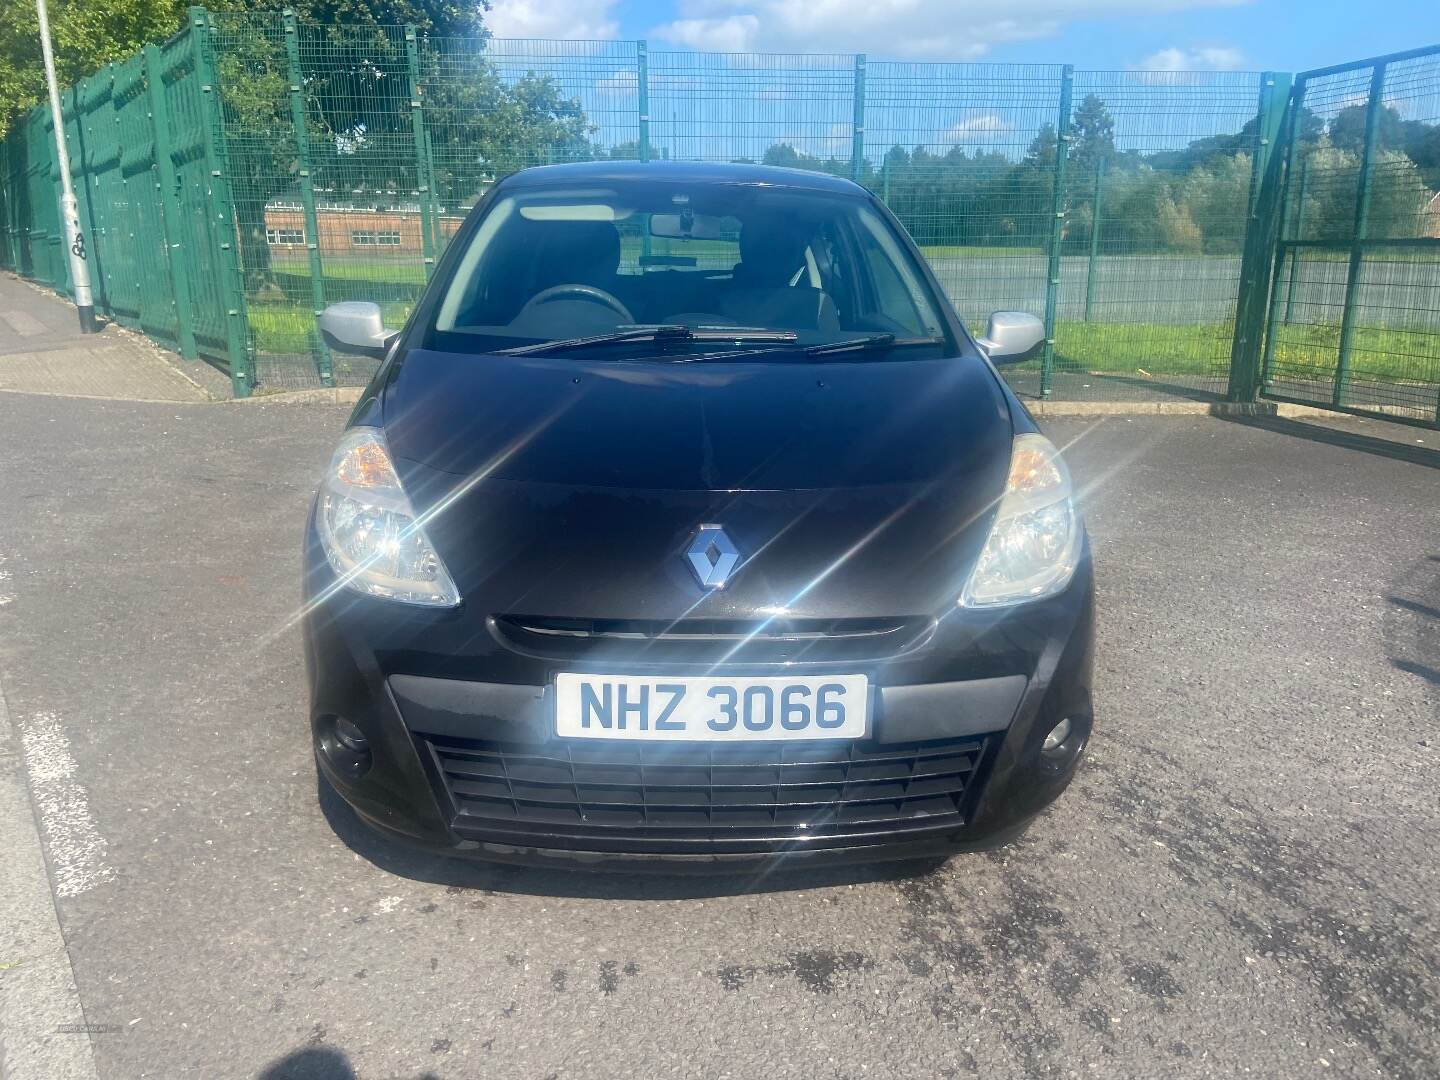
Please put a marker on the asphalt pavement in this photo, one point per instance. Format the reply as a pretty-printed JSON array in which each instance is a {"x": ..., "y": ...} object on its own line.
[{"x": 1242, "y": 881}]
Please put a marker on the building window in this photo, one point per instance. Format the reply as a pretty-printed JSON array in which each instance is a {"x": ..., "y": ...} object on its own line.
[
  {"x": 375, "y": 238},
  {"x": 285, "y": 237}
]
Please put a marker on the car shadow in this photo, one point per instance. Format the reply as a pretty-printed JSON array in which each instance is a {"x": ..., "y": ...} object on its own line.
[{"x": 403, "y": 861}]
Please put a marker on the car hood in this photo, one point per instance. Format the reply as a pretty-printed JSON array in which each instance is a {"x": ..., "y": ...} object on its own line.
[{"x": 571, "y": 487}]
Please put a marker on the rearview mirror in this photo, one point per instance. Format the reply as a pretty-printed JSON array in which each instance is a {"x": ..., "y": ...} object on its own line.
[
  {"x": 1012, "y": 337},
  {"x": 687, "y": 225},
  {"x": 356, "y": 327}
]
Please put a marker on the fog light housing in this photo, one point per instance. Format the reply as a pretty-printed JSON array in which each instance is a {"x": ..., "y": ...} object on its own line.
[
  {"x": 343, "y": 746},
  {"x": 1057, "y": 736},
  {"x": 350, "y": 736}
]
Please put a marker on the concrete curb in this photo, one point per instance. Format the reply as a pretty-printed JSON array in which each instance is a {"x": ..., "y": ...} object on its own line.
[
  {"x": 1156, "y": 408},
  {"x": 324, "y": 395}
]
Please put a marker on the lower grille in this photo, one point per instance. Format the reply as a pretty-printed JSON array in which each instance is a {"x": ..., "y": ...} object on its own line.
[{"x": 695, "y": 798}]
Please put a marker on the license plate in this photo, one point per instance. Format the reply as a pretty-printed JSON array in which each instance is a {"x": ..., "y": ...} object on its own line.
[{"x": 664, "y": 709}]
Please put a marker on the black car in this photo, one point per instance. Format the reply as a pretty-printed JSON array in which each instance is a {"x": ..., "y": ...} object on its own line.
[{"x": 684, "y": 524}]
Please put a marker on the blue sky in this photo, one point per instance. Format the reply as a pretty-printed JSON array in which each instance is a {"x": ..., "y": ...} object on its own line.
[{"x": 1285, "y": 35}]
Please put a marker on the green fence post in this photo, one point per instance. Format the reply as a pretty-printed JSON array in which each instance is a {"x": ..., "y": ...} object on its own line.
[
  {"x": 59, "y": 266},
  {"x": 424, "y": 181},
  {"x": 223, "y": 227},
  {"x": 300, "y": 121},
  {"x": 1357, "y": 243},
  {"x": 1094, "y": 237},
  {"x": 1258, "y": 251},
  {"x": 1297, "y": 232},
  {"x": 857, "y": 123},
  {"x": 437, "y": 227},
  {"x": 1291, "y": 137},
  {"x": 642, "y": 87},
  {"x": 168, "y": 183},
  {"x": 1057, "y": 230}
]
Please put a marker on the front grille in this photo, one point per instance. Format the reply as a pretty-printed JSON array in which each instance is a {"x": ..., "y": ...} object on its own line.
[
  {"x": 695, "y": 798},
  {"x": 713, "y": 641}
]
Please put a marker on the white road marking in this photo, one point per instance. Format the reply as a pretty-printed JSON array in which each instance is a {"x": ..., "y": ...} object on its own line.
[
  {"x": 77, "y": 850},
  {"x": 6, "y": 577},
  {"x": 40, "y": 1005}
]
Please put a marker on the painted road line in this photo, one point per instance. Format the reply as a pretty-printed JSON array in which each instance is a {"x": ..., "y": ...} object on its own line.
[
  {"x": 42, "y": 1023},
  {"x": 77, "y": 850}
]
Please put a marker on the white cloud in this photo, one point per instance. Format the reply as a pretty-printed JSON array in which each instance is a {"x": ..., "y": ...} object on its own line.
[
  {"x": 621, "y": 83},
  {"x": 732, "y": 33},
  {"x": 928, "y": 29},
  {"x": 576, "y": 19},
  {"x": 1204, "y": 58},
  {"x": 976, "y": 129}
]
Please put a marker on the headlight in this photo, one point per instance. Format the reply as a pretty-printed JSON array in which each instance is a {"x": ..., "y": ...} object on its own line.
[
  {"x": 1034, "y": 543},
  {"x": 370, "y": 532}
]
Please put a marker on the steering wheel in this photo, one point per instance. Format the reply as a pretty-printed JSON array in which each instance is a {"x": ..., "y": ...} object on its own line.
[{"x": 579, "y": 292}]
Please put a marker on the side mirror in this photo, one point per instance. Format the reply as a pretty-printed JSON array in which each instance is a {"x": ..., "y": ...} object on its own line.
[
  {"x": 1012, "y": 337},
  {"x": 356, "y": 326}
]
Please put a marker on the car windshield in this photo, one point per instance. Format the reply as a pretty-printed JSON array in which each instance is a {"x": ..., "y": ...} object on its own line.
[{"x": 550, "y": 265}]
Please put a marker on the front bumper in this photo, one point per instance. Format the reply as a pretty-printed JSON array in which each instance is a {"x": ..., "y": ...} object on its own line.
[{"x": 449, "y": 703}]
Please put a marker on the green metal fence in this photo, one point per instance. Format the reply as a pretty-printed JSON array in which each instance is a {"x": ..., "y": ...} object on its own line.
[
  {"x": 255, "y": 168},
  {"x": 1355, "y": 299},
  {"x": 149, "y": 162}
]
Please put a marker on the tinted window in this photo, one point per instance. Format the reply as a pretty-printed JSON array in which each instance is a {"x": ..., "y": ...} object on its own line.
[{"x": 547, "y": 263}]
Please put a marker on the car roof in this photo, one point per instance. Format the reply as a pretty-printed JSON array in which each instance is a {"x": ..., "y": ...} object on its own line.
[{"x": 693, "y": 172}]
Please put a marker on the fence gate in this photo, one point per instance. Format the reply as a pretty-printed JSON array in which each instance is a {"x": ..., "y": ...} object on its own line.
[{"x": 1354, "y": 304}]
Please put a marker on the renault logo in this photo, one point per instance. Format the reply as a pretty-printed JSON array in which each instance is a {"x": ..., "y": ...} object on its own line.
[{"x": 712, "y": 556}]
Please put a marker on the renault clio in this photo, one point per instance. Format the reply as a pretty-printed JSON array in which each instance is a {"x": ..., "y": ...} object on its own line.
[{"x": 685, "y": 525}]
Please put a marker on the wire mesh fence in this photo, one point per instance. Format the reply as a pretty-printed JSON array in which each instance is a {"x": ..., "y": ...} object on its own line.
[
  {"x": 1355, "y": 322},
  {"x": 254, "y": 169}
]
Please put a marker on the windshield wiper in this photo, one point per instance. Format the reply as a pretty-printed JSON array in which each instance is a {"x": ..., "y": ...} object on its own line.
[
  {"x": 660, "y": 332},
  {"x": 871, "y": 343},
  {"x": 867, "y": 344}
]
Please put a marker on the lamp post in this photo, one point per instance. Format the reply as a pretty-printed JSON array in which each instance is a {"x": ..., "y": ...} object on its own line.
[{"x": 69, "y": 208}]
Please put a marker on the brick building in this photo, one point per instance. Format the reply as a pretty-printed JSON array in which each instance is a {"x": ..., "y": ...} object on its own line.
[{"x": 345, "y": 230}]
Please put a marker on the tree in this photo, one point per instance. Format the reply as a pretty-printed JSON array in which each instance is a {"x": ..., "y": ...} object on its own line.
[
  {"x": 357, "y": 87},
  {"x": 1347, "y": 129},
  {"x": 1041, "y": 152},
  {"x": 787, "y": 156},
  {"x": 1092, "y": 132},
  {"x": 1216, "y": 196},
  {"x": 1211, "y": 148},
  {"x": 86, "y": 35},
  {"x": 1421, "y": 143}
]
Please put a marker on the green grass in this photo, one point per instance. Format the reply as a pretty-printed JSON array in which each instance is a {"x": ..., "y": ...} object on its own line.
[
  {"x": 398, "y": 270},
  {"x": 1301, "y": 351},
  {"x": 286, "y": 328},
  {"x": 1137, "y": 349}
]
